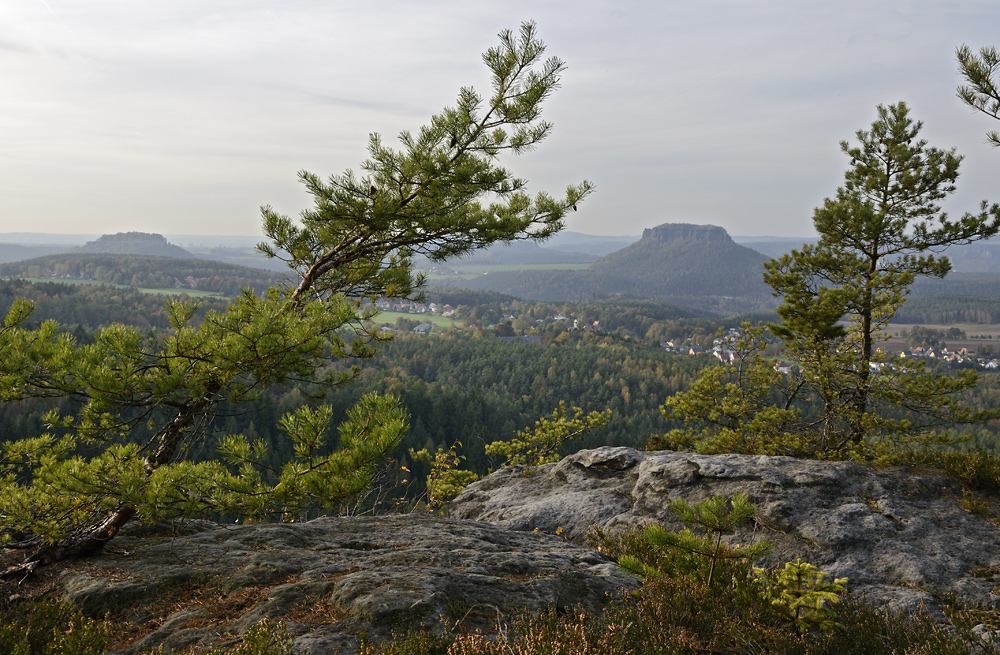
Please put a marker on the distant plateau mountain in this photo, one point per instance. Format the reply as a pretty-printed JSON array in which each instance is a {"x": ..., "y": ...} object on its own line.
[
  {"x": 697, "y": 266},
  {"x": 135, "y": 243}
]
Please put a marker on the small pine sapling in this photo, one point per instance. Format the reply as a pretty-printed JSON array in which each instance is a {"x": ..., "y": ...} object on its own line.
[
  {"x": 802, "y": 593},
  {"x": 685, "y": 551}
]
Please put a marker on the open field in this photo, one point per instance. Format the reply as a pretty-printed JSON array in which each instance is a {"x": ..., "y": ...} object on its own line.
[
  {"x": 193, "y": 293},
  {"x": 390, "y": 318},
  {"x": 463, "y": 272},
  {"x": 487, "y": 268},
  {"x": 976, "y": 335}
]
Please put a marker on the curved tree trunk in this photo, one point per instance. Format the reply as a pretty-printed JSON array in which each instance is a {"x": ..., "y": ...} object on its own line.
[
  {"x": 81, "y": 544},
  {"x": 89, "y": 539}
]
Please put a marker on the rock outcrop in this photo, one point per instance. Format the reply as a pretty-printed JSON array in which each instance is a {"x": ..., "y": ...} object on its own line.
[
  {"x": 332, "y": 579},
  {"x": 900, "y": 536}
]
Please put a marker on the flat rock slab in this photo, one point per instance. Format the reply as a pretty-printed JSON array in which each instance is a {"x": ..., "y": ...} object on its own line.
[
  {"x": 333, "y": 579},
  {"x": 900, "y": 537}
]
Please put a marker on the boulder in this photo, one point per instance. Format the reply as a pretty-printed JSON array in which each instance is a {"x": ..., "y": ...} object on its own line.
[
  {"x": 900, "y": 536},
  {"x": 332, "y": 579}
]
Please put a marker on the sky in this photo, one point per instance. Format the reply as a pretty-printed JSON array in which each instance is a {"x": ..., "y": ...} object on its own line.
[{"x": 186, "y": 116}]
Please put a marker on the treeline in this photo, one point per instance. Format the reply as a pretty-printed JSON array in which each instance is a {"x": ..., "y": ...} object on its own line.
[
  {"x": 945, "y": 310},
  {"x": 86, "y": 307},
  {"x": 145, "y": 272},
  {"x": 980, "y": 285},
  {"x": 716, "y": 296},
  {"x": 465, "y": 385}
]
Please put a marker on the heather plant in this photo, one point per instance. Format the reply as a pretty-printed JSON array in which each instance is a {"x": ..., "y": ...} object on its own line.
[
  {"x": 671, "y": 615},
  {"x": 50, "y": 628},
  {"x": 686, "y": 616}
]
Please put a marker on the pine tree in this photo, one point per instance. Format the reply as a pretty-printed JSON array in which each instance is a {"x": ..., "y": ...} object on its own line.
[
  {"x": 883, "y": 228},
  {"x": 982, "y": 92},
  {"x": 138, "y": 405}
]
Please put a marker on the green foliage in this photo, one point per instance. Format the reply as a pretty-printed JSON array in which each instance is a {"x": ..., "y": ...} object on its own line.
[
  {"x": 265, "y": 638},
  {"x": 981, "y": 93},
  {"x": 875, "y": 236},
  {"x": 531, "y": 448},
  {"x": 803, "y": 593},
  {"x": 364, "y": 230},
  {"x": 880, "y": 231},
  {"x": 975, "y": 505},
  {"x": 140, "y": 404},
  {"x": 49, "y": 628},
  {"x": 537, "y": 446},
  {"x": 978, "y": 469},
  {"x": 745, "y": 407},
  {"x": 446, "y": 480},
  {"x": 655, "y": 551}
]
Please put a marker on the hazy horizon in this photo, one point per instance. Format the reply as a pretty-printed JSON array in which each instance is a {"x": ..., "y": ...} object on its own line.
[{"x": 186, "y": 117}]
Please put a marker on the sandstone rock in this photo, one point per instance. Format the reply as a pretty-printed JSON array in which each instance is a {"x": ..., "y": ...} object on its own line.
[
  {"x": 333, "y": 579},
  {"x": 899, "y": 536}
]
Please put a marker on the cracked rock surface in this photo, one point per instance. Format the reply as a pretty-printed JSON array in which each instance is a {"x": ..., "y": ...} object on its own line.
[
  {"x": 332, "y": 579},
  {"x": 900, "y": 537}
]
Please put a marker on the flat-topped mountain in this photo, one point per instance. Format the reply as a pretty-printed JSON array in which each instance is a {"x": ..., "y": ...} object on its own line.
[
  {"x": 670, "y": 232},
  {"x": 696, "y": 266},
  {"x": 679, "y": 261},
  {"x": 136, "y": 243}
]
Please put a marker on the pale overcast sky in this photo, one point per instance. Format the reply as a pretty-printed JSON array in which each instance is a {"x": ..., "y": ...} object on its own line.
[{"x": 184, "y": 116}]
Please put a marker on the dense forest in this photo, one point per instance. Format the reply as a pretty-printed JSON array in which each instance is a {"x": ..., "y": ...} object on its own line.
[
  {"x": 86, "y": 307},
  {"x": 144, "y": 272},
  {"x": 980, "y": 285},
  {"x": 467, "y": 385},
  {"x": 945, "y": 310}
]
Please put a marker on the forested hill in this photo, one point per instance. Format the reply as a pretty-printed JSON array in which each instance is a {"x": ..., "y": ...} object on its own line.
[
  {"x": 696, "y": 266},
  {"x": 144, "y": 272}
]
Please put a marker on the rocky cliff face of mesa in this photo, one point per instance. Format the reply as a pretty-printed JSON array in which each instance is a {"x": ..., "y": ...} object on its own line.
[{"x": 668, "y": 232}]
